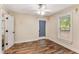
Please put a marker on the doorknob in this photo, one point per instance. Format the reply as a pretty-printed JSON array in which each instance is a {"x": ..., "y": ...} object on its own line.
[
  {"x": 13, "y": 32},
  {"x": 6, "y": 17},
  {"x": 6, "y": 30},
  {"x": 6, "y": 43}
]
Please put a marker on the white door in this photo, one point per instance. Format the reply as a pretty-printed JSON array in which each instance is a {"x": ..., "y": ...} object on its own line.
[{"x": 9, "y": 31}]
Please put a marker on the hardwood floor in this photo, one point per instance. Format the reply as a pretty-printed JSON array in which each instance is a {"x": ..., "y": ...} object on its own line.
[{"x": 43, "y": 46}]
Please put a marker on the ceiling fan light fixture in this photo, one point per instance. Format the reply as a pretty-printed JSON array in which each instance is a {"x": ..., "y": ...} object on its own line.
[
  {"x": 41, "y": 12},
  {"x": 42, "y": 6},
  {"x": 41, "y": 9}
]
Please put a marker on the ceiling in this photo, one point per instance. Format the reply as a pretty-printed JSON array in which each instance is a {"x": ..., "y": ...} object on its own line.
[{"x": 32, "y": 8}]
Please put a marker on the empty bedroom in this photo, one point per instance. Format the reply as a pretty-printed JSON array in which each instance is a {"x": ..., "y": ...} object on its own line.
[{"x": 39, "y": 28}]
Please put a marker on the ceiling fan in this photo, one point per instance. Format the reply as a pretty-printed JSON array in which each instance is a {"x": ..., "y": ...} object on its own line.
[{"x": 42, "y": 9}]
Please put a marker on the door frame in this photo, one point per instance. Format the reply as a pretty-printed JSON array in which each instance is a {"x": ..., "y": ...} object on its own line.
[{"x": 41, "y": 19}]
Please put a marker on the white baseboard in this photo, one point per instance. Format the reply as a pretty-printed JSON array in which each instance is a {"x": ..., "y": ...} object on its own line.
[
  {"x": 40, "y": 38},
  {"x": 25, "y": 41}
]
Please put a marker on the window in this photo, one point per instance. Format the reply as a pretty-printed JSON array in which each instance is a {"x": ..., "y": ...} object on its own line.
[{"x": 65, "y": 23}]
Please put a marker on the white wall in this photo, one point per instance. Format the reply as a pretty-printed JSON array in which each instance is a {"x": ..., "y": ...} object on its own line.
[
  {"x": 26, "y": 27},
  {"x": 53, "y": 30}
]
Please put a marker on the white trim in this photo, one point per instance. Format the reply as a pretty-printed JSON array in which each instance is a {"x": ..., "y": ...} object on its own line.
[
  {"x": 42, "y": 37},
  {"x": 26, "y": 41}
]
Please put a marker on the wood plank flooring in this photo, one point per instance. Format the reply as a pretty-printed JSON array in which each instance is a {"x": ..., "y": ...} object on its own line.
[{"x": 43, "y": 46}]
